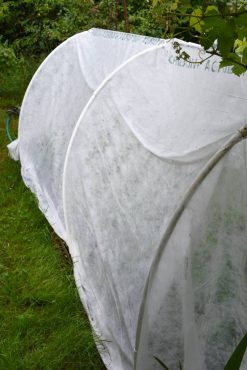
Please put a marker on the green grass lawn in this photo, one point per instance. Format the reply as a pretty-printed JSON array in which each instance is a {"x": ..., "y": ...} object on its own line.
[{"x": 42, "y": 322}]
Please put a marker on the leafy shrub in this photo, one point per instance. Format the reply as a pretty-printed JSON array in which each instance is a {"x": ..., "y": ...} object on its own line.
[
  {"x": 8, "y": 58},
  {"x": 34, "y": 27}
]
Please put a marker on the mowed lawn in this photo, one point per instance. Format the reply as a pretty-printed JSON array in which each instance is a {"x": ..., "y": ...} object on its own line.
[{"x": 42, "y": 322}]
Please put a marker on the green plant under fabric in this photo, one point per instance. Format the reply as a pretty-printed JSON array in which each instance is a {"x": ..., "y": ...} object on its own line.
[{"x": 233, "y": 363}]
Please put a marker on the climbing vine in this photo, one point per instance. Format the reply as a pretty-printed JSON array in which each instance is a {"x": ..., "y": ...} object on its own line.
[{"x": 219, "y": 26}]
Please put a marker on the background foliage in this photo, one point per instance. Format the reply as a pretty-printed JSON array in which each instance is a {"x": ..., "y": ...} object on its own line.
[{"x": 32, "y": 28}]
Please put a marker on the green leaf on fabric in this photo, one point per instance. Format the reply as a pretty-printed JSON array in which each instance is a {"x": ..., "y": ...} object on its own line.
[
  {"x": 225, "y": 63},
  {"x": 238, "y": 70}
]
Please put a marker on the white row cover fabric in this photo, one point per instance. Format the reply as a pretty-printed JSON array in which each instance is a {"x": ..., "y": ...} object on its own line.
[
  {"x": 196, "y": 303},
  {"x": 141, "y": 132},
  {"x": 119, "y": 197},
  {"x": 53, "y": 102}
]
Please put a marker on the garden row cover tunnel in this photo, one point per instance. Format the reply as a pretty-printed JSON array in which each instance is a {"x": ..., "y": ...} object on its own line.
[{"x": 113, "y": 131}]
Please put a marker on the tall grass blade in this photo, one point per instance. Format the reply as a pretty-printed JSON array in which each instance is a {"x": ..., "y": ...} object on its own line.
[
  {"x": 161, "y": 363},
  {"x": 236, "y": 358}
]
